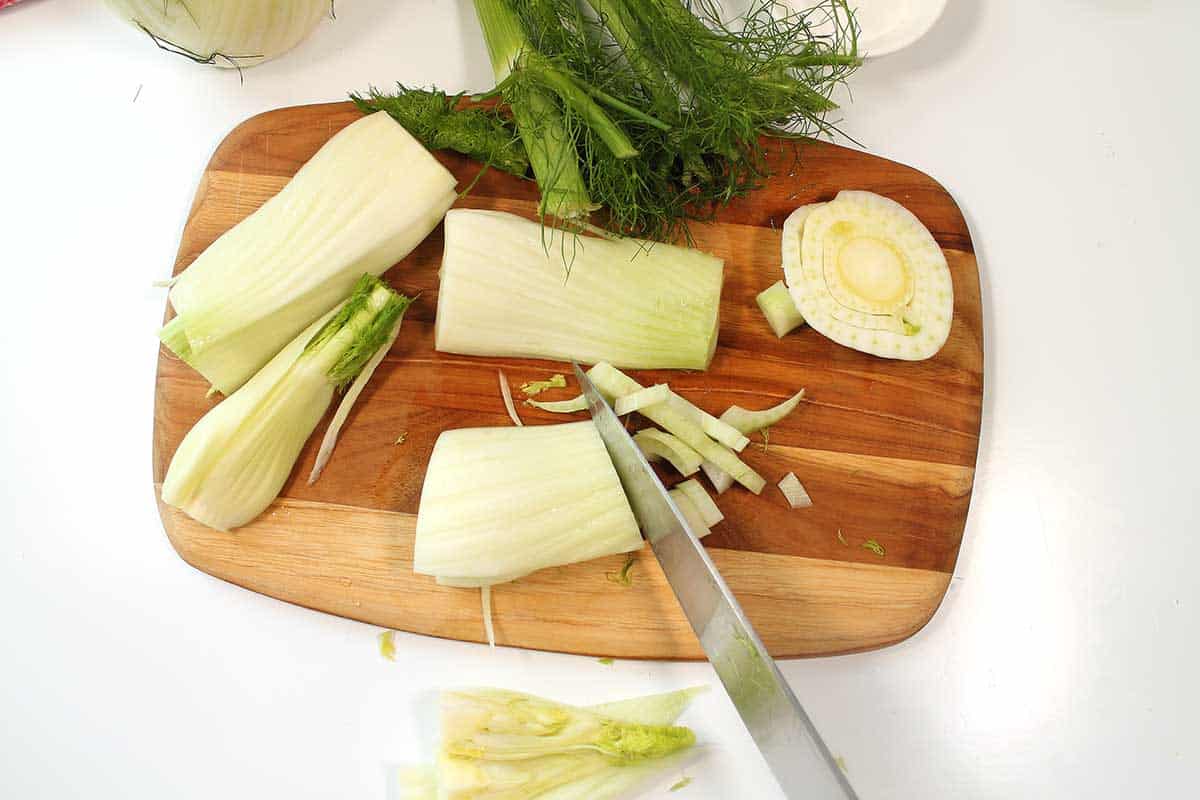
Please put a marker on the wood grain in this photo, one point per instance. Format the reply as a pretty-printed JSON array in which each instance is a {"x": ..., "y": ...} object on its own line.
[{"x": 886, "y": 448}]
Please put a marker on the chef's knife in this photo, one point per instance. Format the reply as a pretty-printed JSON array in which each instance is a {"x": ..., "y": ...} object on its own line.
[{"x": 778, "y": 723}]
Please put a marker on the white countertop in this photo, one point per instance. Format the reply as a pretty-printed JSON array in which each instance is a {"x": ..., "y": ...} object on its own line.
[{"x": 1063, "y": 662}]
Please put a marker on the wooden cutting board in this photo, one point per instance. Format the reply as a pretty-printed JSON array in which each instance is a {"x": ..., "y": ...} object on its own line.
[{"x": 885, "y": 448}]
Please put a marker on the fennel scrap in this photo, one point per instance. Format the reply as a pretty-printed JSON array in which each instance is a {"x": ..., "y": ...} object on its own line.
[
  {"x": 533, "y": 388},
  {"x": 625, "y": 576},
  {"x": 502, "y": 744}
]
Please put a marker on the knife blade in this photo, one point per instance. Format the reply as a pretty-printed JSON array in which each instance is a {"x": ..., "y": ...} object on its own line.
[{"x": 779, "y": 725}]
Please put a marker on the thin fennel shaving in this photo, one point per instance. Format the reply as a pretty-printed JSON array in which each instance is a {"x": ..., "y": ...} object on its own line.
[
  {"x": 561, "y": 406},
  {"x": 752, "y": 421},
  {"x": 348, "y": 401},
  {"x": 506, "y": 395}
]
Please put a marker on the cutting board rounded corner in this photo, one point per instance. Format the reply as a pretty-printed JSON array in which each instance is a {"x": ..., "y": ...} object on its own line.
[{"x": 884, "y": 452}]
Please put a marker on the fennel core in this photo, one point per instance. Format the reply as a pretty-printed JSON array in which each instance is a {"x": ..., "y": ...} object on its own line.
[{"x": 647, "y": 108}]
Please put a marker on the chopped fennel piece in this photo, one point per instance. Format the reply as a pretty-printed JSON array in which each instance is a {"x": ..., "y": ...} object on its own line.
[
  {"x": 401, "y": 438},
  {"x": 875, "y": 547},
  {"x": 606, "y": 661},
  {"x": 751, "y": 421},
  {"x": 506, "y": 395},
  {"x": 779, "y": 308},
  {"x": 499, "y": 503},
  {"x": 235, "y": 460},
  {"x": 675, "y": 420},
  {"x": 656, "y": 444},
  {"x": 561, "y": 406},
  {"x": 841, "y": 538},
  {"x": 348, "y": 401},
  {"x": 687, "y": 508},
  {"x": 794, "y": 491},
  {"x": 500, "y": 725},
  {"x": 869, "y": 275},
  {"x": 715, "y": 428},
  {"x": 719, "y": 478},
  {"x": 369, "y": 196},
  {"x": 641, "y": 398},
  {"x": 700, "y": 499},
  {"x": 387, "y": 645},
  {"x": 573, "y": 297},
  {"x": 531, "y": 388},
  {"x": 682, "y": 783}
]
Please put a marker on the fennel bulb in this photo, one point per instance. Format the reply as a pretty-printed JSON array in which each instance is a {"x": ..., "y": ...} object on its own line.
[
  {"x": 368, "y": 197},
  {"x": 225, "y": 33},
  {"x": 235, "y": 460},
  {"x": 499, "y": 503},
  {"x": 505, "y": 291},
  {"x": 503, "y": 745}
]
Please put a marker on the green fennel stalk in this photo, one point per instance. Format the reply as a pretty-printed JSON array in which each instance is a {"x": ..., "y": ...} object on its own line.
[{"x": 655, "y": 109}]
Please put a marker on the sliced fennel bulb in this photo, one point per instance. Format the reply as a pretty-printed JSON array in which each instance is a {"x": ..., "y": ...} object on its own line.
[
  {"x": 234, "y": 461},
  {"x": 657, "y": 393},
  {"x": 656, "y": 444},
  {"x": 225, "y": 33},
  {"x": 690, "y": 513},
  {"x": 753, "y": 421},
  {"x": 510, "y": 287},
  {"x": 869, "y": 275},
  {"x": 704, "y": 504},
  {"x": 368, "y": 197},
  {"x": 499, "y": 503},
  {"x": 677, "y": 417}
]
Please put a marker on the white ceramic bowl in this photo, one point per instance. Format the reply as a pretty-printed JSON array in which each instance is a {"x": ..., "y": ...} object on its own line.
[{"x": 889, "y": 25}]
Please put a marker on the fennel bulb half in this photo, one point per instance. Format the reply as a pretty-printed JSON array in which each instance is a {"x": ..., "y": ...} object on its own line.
[
  {"x": 225, "y": 33},
  {"x": 499, "y": 503},
  {"x": 235, "y": 460},
  {"x": 368, "y": 197},
  {"x": 510, "y": 287}
]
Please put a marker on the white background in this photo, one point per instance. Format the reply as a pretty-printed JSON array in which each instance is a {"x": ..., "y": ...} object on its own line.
[{"x": 1064, "y": 660}]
